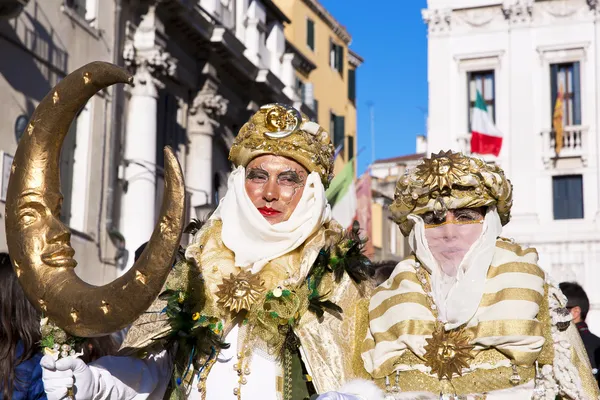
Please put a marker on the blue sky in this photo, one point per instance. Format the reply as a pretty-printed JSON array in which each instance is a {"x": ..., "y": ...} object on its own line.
[{"x": 392, "y": 38}]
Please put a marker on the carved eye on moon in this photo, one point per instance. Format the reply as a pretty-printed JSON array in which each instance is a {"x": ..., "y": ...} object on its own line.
[{"x": 281, "y": 120}]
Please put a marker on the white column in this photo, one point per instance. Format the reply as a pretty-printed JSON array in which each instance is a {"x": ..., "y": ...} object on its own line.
[
  {"x": 199, "y": 174},
  {"x": 148, "y": 62},
  {"x": 241, "y": 9},
  {"x": 139, "y": 200},
  {"x": 255, "y": 38},
  {"x": 288, "y": 76},
  {"x": 275, "y": 43},
  {"x": 252, "y": 40},
  {"x": 207, "y": 108}
]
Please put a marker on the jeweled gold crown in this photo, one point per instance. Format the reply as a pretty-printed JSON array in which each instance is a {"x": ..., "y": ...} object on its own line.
[
  {"x": 282, "y": 130},
  {"x": 449, "y": 180}
]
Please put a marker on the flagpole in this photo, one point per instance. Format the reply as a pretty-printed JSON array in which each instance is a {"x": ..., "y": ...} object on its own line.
[{"x": 372, "y": 116}]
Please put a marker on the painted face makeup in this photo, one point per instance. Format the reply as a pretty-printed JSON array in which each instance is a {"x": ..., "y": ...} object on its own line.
[
  {"x": 450, "y": 236},
  {"x": 275, "y": 185}
]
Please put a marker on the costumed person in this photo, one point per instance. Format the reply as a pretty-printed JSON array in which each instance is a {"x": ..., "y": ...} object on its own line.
[
  {"x": 578, "y": 304},
  {"x": 269, "y": 299},
  {"x": 470, "y": 315}
]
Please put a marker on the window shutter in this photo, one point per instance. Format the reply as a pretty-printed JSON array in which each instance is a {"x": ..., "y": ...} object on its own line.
[
  {"x": 350, "y": 147},
  {"x": 576, "y": 94},
  {"x": 310, "y": 34},
  {"x": 352, "y": 85},
  {"x": 553, "y": 89},
  {"x": 567, "y": 193},
  {"x": 340, "y": 60},
  {"x": 575, "y": 191},
  {"x": 338, "y": 136}
]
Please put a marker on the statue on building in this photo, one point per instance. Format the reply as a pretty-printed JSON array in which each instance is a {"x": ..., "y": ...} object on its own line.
[
  {"x": 266, "y": 302},
  {"x": 470, "y": 315}
]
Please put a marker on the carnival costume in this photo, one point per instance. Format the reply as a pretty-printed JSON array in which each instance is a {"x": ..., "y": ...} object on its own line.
[
  {"x": 251, "y": 310},
  {"x": 495, "y": 328}
]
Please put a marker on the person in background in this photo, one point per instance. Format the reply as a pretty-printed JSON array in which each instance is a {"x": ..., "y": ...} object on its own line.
[
  {"x": 383, "y": 270},
  {"x": 579, "y": 305},
  {"x": 20, "y": 353}
]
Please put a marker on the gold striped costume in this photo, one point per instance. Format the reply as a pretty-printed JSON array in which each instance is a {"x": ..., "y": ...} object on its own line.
[{"x": 515, "y": 327}]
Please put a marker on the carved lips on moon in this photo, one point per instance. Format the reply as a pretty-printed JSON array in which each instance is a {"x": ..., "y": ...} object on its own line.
[{"x": 39, "y": 243}]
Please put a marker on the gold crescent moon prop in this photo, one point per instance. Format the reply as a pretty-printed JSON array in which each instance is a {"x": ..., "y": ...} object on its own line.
[{"x": 40, "y": 244}]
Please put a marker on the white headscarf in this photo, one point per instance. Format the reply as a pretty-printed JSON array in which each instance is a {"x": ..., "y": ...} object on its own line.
[
  {"x": 253, "y": 240},
  {"x": 458, "y": 303}
]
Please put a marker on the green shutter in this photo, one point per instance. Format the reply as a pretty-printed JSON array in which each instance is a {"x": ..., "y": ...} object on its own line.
[
  {"x": 338, "y": 134},
  {"x": 340, "y": 60},
  {"x": 350, "y": 151},
  {"x": 310, "y": 34},
  {"x": 352, "y": 85}
]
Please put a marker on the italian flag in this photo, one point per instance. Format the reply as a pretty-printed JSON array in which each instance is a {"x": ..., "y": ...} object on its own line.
[
  {"x": 341, "y": 195},
  {"x": 485, "y": 137}
]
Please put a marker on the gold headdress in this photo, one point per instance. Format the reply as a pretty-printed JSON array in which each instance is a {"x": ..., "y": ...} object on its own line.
[
  {"x": 282, "y": 130},
  {"x": 449, "y": 180}
]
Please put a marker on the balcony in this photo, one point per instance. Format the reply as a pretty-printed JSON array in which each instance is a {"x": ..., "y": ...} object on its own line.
[{"x": 575, "y": 143}]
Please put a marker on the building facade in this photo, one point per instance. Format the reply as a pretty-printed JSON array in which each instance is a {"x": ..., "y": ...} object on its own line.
[
  {"x": 200, "y": 69},
  {"x": 519, "y": 55},
  {"x": 329, "y": 89},
  {"x": 388, "y": 242},
  {"x": 40, "y": 44}
]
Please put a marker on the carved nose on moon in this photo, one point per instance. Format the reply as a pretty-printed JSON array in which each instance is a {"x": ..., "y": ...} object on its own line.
[{"x": 77, "y": 307}]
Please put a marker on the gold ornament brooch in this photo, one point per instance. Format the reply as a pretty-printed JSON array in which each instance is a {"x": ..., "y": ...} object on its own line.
[
  {"x": 281, "y": 120},
  {"x": 448, "y": 352},
  {"x": 240, "y": 292},
  {"x": 442, "y": 170}
]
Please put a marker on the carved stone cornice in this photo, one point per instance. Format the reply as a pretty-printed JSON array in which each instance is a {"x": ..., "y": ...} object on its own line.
[
  {"x": 207, "y": 109},
  {"x": 561, "y": 9},
  {"x": 146, "y": 59},
  {"x": 478, "y": 17},
  {"x": 156, "y": 61},
  {"x": 518, "y": 11},
  {"x": 438, "y": 20}
]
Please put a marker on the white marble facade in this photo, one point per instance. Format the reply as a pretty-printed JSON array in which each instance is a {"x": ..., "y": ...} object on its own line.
[{"x": 519, "y": 53}]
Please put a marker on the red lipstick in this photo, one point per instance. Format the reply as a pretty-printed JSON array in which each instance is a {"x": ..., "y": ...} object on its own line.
[{"x": 268, "y": 212}]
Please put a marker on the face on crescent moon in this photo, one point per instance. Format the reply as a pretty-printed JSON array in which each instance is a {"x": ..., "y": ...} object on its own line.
[{"x": 43, "y": 234}]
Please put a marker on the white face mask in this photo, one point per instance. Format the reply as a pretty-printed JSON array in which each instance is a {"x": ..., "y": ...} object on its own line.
[
  {"x": 450, "y": 242},
  {"x": 458, "y": 256}
]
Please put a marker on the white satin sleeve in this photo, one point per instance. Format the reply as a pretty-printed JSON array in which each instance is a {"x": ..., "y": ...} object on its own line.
[{"x": 130, "y": 378}]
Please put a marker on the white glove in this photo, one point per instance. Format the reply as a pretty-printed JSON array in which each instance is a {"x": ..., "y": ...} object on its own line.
[
  {"x": 332, "y": 396},
  {"x": 69, "y": 372}
]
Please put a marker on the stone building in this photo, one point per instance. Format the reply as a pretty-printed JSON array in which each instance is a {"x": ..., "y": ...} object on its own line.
[
  {"x": 40, "y": 44},
  {"x": 316, "y": 38},
  {"x": 388, "y": 242}
]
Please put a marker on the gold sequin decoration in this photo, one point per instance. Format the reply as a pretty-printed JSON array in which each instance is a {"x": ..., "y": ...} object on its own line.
[{"x": 449, "y": 180}]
